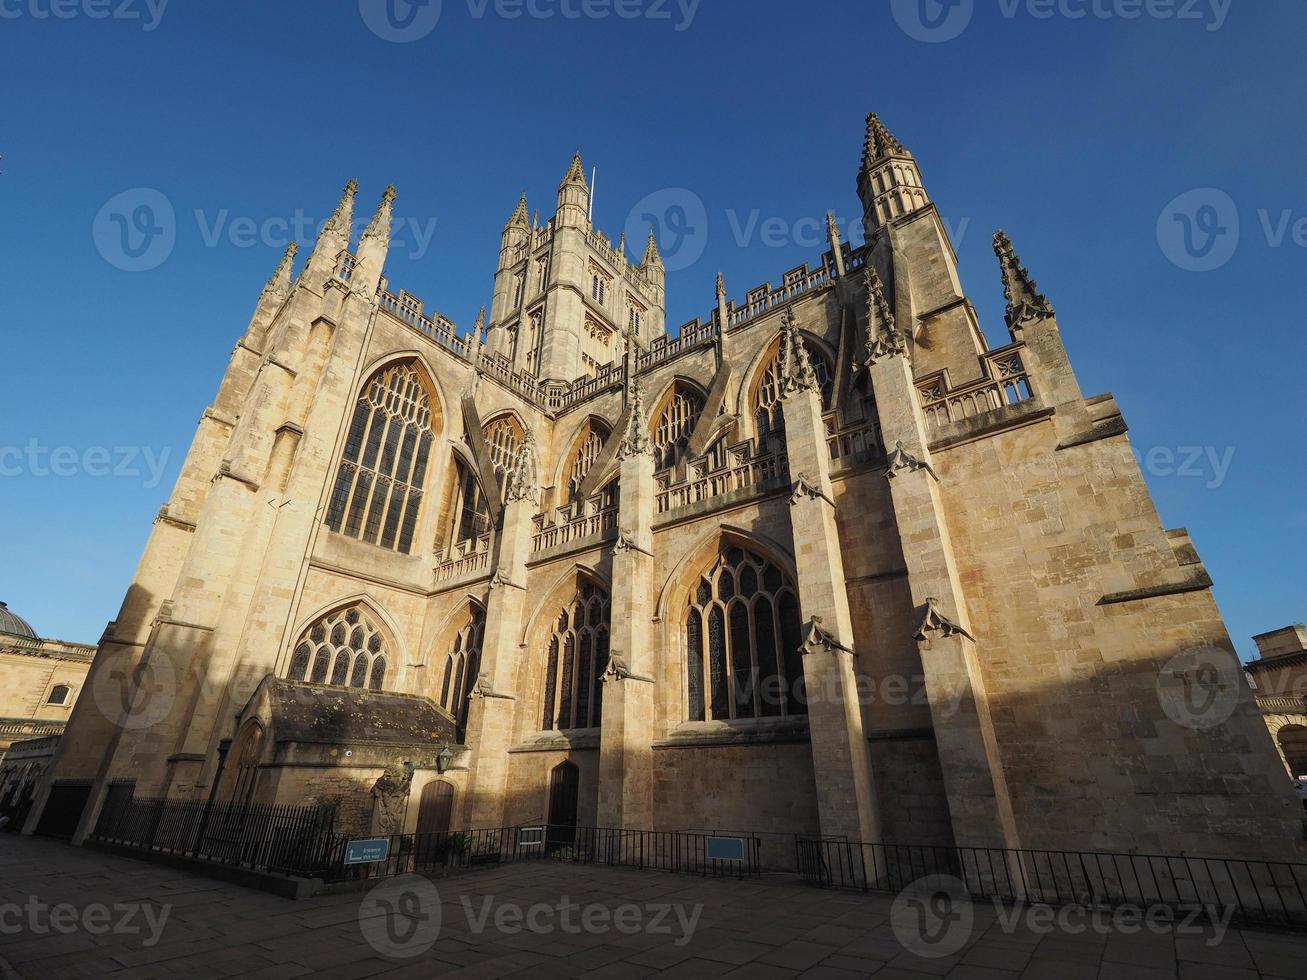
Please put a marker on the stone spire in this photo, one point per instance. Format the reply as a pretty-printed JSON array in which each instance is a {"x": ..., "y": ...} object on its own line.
[
  {"x": 836, "y": 246},
  {"x": 379, "y": 227},
  {"x": 575, "y": 173},
  {"x": 884, "y": 339},
  {"x": 889, "y": 181},
  {"x": 278, "y": 287},
  {"x": 635, "y": 440},
  {"x": 478, "y": 328},
  {"x": 518, "y": 217},
  {"x": 333, "y": 239},
  {"x": 651, "y": 256},
  {"x": 796, "y": 367},
  {"x": 1024, "y": 300},
  {"x": 721, "y": 286},
  {"x": 879, "y": 143}
]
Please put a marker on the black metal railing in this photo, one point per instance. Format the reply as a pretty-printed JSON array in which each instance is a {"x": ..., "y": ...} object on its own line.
[
  {"x": 681, "y": 853},
  {"x": 263, "y": 836},
  {"x": 1249, "y": 891}
]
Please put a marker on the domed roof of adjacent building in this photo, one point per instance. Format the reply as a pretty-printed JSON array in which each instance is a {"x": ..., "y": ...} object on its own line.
[{"x": 15, "y": 624}]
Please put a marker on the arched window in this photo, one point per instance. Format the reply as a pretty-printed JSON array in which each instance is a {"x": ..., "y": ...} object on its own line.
[
  {"x": 675, "y": 424},
  {"x": 504, "y": 436},
  {"x": 462, "y": 664},
  {"x": 345, "y": 648},
  {"x": 583, "y": 459},
  {"x": 60, "y": 694},
  {"x": 742, "y": 638},
  {"x": 378, "y": 489},
  {"x": 577, "y": 659},
  {"x": 768, "y": 394}
]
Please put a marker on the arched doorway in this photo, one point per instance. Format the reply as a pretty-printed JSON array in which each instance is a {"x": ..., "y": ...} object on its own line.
[
  {"x": 564, "y": 794},
  {"x": 1293, "y": 744},
  {"x": 435, "y": 807}
]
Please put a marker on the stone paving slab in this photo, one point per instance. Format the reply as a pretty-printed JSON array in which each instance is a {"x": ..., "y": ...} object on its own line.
[{"x": 69, "y": 912}]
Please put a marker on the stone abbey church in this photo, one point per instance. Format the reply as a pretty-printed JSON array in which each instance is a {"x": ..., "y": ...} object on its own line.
[{"x": 823, "y": 562}]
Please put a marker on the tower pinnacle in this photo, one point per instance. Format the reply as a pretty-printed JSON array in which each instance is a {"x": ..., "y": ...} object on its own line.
[
  {"x": 518, "y": 217},
  {"x": 575, "y": 173},
  {"x": 1024, "y": 300},
  {"x": 889, "y": 182},
  {"x": 279, "y": 285},
  {"x": 880, "y": 143},
  {"x": 651, "y": 256}
]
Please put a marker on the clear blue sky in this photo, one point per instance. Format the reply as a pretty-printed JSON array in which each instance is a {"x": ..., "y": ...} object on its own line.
[{"x": 1073, "y": 134}]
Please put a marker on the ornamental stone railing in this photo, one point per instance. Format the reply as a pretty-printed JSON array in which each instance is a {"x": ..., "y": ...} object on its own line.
[
  {"x": 468, "y": 557},
  {"x": 741, "y": 469},
  {"x": 594, "y": 518},
  {"x": 1005, "y": 382}
]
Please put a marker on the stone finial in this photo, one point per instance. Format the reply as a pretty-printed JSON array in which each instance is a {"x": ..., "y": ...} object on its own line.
[
  {"x": 524, "y": 481},
  {"x": 621, "y": 245},
  {"x": 879, "y": 143},
  {"x": 932, "y": 620},
  {"x": 518, "y": 218},
  {"x": 797, "y": 373},
  {"x": 479, "y": 327},
  {"x": 721, "y": 286},
  {"x": 1024, "y": 300},
  {"x": 832, "y": 229},
  {"x": 635, "y": 440},
  {"x": 379, "y": 226},
  {"x": 651, "y": 256},
  {"x": 884, "y": 338}
]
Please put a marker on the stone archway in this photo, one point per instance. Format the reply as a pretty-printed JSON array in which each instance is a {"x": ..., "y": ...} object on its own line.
[{"x": 1290, "y": 734}]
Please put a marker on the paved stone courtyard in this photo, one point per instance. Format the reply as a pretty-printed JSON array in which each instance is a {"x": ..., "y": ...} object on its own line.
[{"x": 67, "y": 912}]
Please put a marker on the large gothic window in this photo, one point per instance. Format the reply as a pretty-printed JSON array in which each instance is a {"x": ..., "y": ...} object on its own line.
[
  {"x": 767, "y": 396},
  {"x": 345, "y": 648},
  {"x": 675, "y": 424},
  {"x": 583, "y": 457},
  {"x": 742, "y": 638},
  {"x": 462, "y": 665},
  {"x": 577, "y": 659},
  {"x": 378, "y": 488}
]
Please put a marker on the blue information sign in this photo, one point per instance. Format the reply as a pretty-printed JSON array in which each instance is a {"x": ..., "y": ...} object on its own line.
[
  {"x": 726, "y": 848},
  {"x": 367, "y": 851}
]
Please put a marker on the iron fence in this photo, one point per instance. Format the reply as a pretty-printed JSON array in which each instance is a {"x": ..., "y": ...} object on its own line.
[
  {"x": 1249, "y": 891},
  {"x": 677, "y": 852},
  {"x": 262, "y": 836}
]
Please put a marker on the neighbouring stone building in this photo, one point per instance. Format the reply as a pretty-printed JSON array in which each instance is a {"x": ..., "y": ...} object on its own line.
[
  {"x": 1279, "y": 678},
  {"x": 40, "y": 680},
  {"x": 822, "y": 562}
]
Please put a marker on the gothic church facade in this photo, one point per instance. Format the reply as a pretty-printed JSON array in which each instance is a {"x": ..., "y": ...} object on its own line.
[{"x": 824, "y": 562}]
